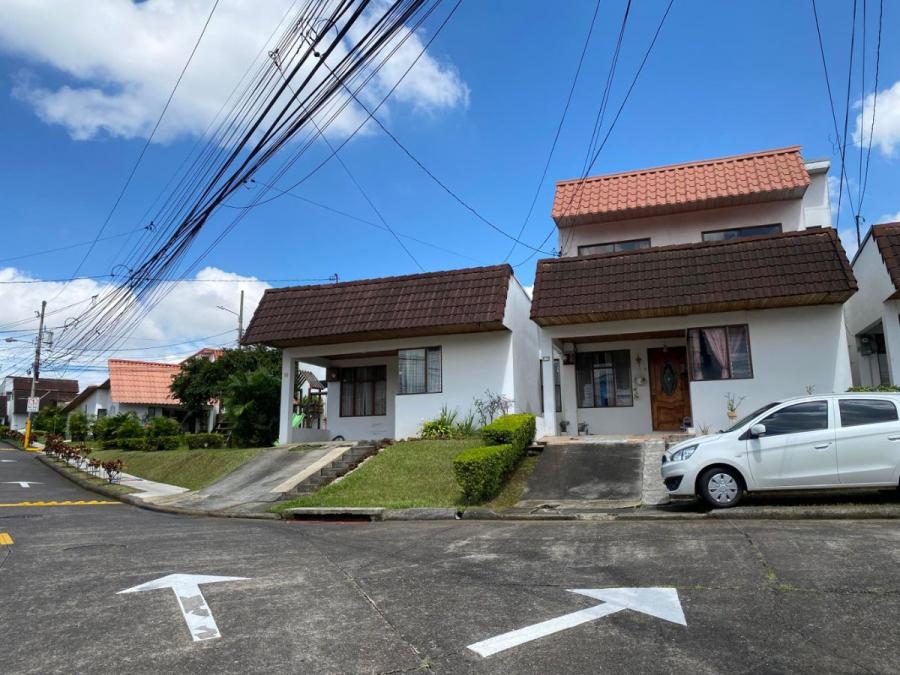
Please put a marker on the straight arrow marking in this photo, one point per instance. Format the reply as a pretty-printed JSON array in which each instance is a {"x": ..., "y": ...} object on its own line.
[
  {"x": 197, "y": 614},
  {"x": 662, "y": 603},
  {"x": 22, "y": 483}
]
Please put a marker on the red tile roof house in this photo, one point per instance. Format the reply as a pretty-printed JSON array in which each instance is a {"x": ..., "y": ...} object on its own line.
[
  {"x": 141, "y": 387},
  {"x": 681, "y": 285},
  {"x": 16, "y": 390},
  {"x": 872, "y": 314},
  {"x": 397, "y": 349}
]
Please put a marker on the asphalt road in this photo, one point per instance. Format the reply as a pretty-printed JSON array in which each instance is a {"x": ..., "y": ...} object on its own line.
[{"x": 757, "y": 597}]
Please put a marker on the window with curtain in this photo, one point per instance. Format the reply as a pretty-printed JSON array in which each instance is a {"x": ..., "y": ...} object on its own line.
[
  {"x": 364, "y": 391},
  {"x": 603, "y": 379},
  {"x": 720, "y": 353},
  {"x": 420, "y": 370},
  {"x": 614, "y": 246}
]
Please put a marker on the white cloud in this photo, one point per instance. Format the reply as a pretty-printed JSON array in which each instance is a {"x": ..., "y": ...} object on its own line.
[
  {"x": 886, "y": 133},
  {"x": 889, "y": 218},
  {"x": 188, "y": 312},
  {"x": 120, "y": 60}
]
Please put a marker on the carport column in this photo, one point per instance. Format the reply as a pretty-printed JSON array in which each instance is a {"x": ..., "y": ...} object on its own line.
[
  {"x": 890, "y": 322},
  {"x": 551, "y": 427},
  {"x": 287, "y": 398}
]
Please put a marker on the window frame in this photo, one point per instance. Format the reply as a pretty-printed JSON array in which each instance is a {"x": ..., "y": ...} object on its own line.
[
  {"x": 341, "y": 412},
  {"x": 615, "y": 388},
  {"x": 703, "y": 233},
  {"x": 840, "y": 413},
  {"x": 616, "y": 243},
  {"x": 440, "y": 352},
  {"x": 724, "y": 327}
]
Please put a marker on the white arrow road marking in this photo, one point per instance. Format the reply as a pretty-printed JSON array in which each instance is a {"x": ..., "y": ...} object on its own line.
[
  {"x": 6, "y": 461},
  {"x": 196, "y": 612},
  {"x": 662, "y": 603},
  {"x": 22, "y": 483}
]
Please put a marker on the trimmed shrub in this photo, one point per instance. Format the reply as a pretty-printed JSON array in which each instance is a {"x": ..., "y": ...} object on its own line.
[
  {"x": 162, "y": 426},
  {"x": 887, "y": 388},
  {"x": 517, "y": 430},
  {"x": 130, "y": 427},
  {"x": 156, "y": 443},
  {"x": 130, "y": 444},
  {"x": 202, "y": 441},
  {"x": 480, "y": 472}
]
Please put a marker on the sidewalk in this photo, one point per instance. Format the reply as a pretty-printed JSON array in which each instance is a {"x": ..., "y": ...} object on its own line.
[{"x": 149, "y": 490}]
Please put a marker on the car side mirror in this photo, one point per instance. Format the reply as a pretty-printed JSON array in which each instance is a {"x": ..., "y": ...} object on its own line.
[{"x": 758, "y": 430}]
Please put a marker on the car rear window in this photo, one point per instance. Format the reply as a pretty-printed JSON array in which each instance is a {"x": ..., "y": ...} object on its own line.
[{"x": 857, "y": 412}]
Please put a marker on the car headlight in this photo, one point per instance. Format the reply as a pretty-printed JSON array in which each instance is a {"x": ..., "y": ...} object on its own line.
[{"x": 684, "y": 453}]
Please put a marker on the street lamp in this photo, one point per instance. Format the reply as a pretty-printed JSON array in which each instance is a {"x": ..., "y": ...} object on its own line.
[{"x": 240, "y": 317}]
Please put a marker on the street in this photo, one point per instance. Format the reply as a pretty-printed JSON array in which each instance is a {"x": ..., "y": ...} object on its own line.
[{"x": 756, "y": 596}]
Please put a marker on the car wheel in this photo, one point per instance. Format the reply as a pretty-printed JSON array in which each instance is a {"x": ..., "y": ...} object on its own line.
[{"x": 721, "y": 487}]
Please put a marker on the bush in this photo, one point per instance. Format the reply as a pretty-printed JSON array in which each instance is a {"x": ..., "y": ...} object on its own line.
[
  {"x": 198, "y": 441},
  {"x": 887, "y": 388},
  {"x": 163, "y": 426},
  {"x": 480, "y": 472},
  {"x": 156, "y": 443},
  {"x": 442, "y": 427},
  {"x": 129, "y": 427},
  {"x": 78, "y": 426},
  {"x": 130, "y": 444}
]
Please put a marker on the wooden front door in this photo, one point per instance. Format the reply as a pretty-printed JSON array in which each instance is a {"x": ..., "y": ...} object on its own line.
[{"x": 670, "y": 398}]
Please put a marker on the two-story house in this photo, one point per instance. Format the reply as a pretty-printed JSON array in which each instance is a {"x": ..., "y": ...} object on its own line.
[{"x": 683, "y": 287}]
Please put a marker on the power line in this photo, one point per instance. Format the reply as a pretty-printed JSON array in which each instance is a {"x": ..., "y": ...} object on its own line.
[
  {"x": 146, "y": 145},
  {"x": 865, "y": 176},
  {"x": 562, "y": 119},
  {"x": 843, "y": 141}
]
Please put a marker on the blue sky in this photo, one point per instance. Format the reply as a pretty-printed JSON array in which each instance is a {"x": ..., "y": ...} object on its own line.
[{"x": 724, "y": 78}]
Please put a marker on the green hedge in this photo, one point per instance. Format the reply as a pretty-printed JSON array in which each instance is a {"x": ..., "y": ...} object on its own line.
[
  {"x": 881, "y": 388},
  {"x": 199, "y": 441},
  {"x": 481, "y": 471},
  {"x": 141, "y": 444},
  {"x": 153, "y": 443}
]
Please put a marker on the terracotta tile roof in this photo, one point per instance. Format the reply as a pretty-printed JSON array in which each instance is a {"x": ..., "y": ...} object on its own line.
[
  {"x": 887, "y": 236},
  {"x": 456, "y": 301},
  {"x": 50, "y": 391},
  {"x": 142, "y": 382},
  {"x": 727, "y": 181},
  {"x": 795, "y": 268},
  {"x": 211, "y": 353}
]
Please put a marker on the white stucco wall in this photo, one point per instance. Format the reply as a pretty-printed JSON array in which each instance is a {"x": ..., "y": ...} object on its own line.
[
  {"x": 682, "y": 228},
  {"x": 791, "y": 349},
  {"x": 99, "y": 398},
  {"x": 525, "y": 364}
]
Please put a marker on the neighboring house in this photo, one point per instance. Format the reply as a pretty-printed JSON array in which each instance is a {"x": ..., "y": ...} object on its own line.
[
  {"x": 94, "y": 401},
  {"x": 682, "y": 285},
  {"x": 142, "y": 387},
  {"x": 16, "y": 390},
  {"x": 873, "y": 314},
  {"x": 399, "y": 349}
]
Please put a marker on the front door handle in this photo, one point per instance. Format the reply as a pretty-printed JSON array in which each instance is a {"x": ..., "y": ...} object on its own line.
[
  {"x": 894, "y": 438},
  {"x": 822, "y": 446}
]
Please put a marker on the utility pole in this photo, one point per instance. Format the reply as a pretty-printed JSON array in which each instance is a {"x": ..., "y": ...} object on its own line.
[
  {"x": 35, "y": 372},
  {"x": 241, "y": 320}
]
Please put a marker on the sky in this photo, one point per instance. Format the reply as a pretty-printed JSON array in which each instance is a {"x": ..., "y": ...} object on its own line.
[{"x": 83, "y": 82}]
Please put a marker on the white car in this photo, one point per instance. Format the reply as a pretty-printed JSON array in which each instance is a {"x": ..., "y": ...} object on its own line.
[{"x": 809, "y": 443}]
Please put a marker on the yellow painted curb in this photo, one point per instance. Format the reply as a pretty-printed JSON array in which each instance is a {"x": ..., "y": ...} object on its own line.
[
  {"x": 92, "y": 502},
  {"x": 5, "y": 539}
]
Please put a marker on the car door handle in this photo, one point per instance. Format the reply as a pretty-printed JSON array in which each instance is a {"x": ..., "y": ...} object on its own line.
[
  {"x": 894, "y": 438},
  {"x": 822, "y": 446}
]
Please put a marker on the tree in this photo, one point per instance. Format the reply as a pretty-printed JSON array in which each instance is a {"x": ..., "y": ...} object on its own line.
[
  {"x": 50, "y": 419},
  {"x": 202, "y": 380},
  {"x": 251, "y": 405},
  {"x": 78, "y": 426}
]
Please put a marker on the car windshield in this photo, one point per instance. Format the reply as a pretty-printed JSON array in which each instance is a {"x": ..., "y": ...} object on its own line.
[{"x": 741, "y": 422}]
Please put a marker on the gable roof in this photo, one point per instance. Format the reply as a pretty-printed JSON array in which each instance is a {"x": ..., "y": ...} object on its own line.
[
  {"x": 142, "y": 382},
  {"x": 808, "y": 267},
  {"x": 887, "y": 237},
  {"x": 726, "y": 181},
  {"x": 85, "y": 393},
  {"x": 51, "y": 392},
  {"x": 456, "y": 301}
]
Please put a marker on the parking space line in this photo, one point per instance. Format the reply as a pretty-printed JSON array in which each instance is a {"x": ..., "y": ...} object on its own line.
[{"x": 92, "y": 502}]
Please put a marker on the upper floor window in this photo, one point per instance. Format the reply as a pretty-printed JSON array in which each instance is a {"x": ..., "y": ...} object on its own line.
[
  {"x": 420, "y": 370},
  {"x": 614, "y": 246},
  {"x": 720, "y": 353},
  {"x": 735, "y": 232}
]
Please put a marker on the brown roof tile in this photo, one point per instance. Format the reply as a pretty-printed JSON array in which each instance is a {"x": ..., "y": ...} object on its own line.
[
  {"x": 726, "y": 181},
  {"x": 142, "y": 382},
  {"x": 782, "y": 270},
  {"x": 455, "y": 301},
  {"x": 887, "y": 236},
  {"x": 50, "y": 391}
]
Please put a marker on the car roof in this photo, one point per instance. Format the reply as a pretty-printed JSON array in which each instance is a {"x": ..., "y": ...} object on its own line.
[{"x": 845, "y": 394}]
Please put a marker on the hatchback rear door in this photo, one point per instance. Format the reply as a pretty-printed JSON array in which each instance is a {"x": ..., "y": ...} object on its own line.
[{"x": 868, "y": 441}]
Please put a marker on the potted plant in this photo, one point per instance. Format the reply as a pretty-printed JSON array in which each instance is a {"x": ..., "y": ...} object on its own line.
[{"x": 732, "y": 403}]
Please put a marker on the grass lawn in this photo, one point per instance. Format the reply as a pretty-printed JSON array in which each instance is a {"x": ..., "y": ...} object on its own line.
[
  {"x": 192, "y": 469},
  {"x": 407, "y": 475}
]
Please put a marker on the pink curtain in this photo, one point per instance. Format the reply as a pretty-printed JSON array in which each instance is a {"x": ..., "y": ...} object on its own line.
[{"x": 718, "y": 347}]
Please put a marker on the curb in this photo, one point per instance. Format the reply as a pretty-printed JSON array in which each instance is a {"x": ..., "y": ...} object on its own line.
[{"x": 140, "y": 503}]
